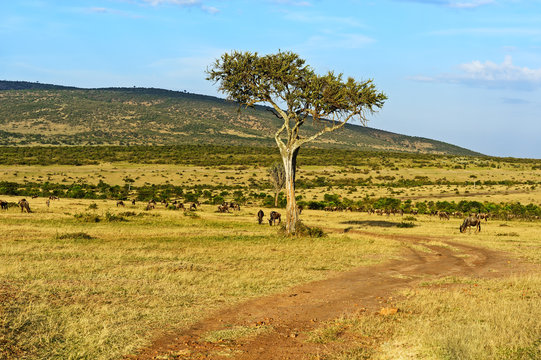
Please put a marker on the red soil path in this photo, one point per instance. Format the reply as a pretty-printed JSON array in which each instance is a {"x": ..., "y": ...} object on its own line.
[{"x": 301, "y": 309}]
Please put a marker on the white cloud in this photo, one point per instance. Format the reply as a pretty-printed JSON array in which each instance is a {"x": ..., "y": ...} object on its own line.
[{"x": 491, "y": 75}]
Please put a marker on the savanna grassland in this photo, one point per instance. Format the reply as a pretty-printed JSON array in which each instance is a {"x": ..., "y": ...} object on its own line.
[{"x": 83, "y": 278}]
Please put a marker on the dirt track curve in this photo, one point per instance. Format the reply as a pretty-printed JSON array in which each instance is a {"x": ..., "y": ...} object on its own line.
[{"x": 304, "y": 307}]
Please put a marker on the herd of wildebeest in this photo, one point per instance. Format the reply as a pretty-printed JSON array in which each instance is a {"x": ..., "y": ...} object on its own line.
[{"x": 275, "y": 218}]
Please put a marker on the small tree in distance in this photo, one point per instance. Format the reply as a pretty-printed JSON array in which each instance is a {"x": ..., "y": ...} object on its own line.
[
  {"x": 277, "y": 176},
  {"x": 295, "y": 93}
]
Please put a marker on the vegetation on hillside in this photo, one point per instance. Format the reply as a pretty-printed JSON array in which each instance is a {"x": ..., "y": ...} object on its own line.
[{"x": 40, "y": 114}]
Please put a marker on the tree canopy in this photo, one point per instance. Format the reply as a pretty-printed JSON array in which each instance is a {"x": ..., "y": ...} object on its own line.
[{"x": 295, "y": 93}]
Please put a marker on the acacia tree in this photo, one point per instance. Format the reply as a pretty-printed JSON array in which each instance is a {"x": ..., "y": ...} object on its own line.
[
  {"x": 277, "y": 177},
  {"x": 295, "y": 94}
]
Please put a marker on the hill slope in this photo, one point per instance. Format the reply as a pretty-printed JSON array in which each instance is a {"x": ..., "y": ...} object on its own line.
[{"x": 42, "y": 114}]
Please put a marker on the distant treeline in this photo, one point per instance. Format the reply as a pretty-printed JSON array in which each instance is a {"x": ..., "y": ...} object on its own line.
[
  {"x": 463, "y": 208},
  {"x": 218, "y": 194},
  {"x": 216, "y": 155}
]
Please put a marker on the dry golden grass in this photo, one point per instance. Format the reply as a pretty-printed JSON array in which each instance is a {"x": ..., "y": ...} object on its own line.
[
  {"x": 79, "y": 289},
  {"x": 84, "y": 290}
]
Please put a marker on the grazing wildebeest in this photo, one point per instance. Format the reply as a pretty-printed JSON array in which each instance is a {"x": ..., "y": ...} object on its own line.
[
  {"x": 471, "y": 221},
  {"x": 273, "y": 217},
  {"x": 52, "y": 197},
  {"x": 133, "y": 202},
  {"x": 3, "y": 205},
  {"x": 24, "y": 206},
  {"x": 223, "y": 208},
  {"x": 482, "y": 216},
  {"x": 443, "y": 215},
  {"x": 260, "y": 215},
  {"x": 119, "y": 203}
]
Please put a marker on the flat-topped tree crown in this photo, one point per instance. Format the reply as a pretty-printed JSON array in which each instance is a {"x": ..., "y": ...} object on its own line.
[{"x": 295, "y": 93}]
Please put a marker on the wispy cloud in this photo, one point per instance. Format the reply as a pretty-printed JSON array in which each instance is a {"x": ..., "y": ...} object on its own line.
[
  {"x": 184, "y": 3},
  {"x": 337, "y": 41},
  {"x": 515, "y": 101},
  {"x": 326, "y": 20},
  {"x": 102, "y": 10},
  {"x": 292, "y": 2},
  {"x": 491, "y": 75},
  {"x": 469, "y": 4}
]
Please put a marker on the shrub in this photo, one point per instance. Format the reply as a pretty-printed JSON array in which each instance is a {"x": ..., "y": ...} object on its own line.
[
  {"x": 404, "y": 224},
  {"x": 112, "y": 217},
  {"x": 75, "y": 236},
  {"x": 87, "y": 217}
]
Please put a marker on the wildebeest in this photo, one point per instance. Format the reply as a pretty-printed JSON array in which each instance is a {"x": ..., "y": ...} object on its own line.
[
  {"x": 119, "y": 203},
  {"x": 3, "y": 205},
  {"x": 260, "y": 215},
  {"x": 273, "y": 217},
  {"x": 133, "y": 202},
  {"x": 193, "y": 207},
  {"x": 443, "y": 215},
  {"x": 223, "y": 208},
  {"x": 52, "y": 197},
  {"x": 150, "y": 206},
  {"x": 471, "y": 221},
  {"x": 24, "y": 206},
  {"x": 300, "y": 209}
]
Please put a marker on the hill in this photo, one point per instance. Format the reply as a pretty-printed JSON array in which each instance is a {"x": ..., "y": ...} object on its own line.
[{"x": 44, "y": 114}]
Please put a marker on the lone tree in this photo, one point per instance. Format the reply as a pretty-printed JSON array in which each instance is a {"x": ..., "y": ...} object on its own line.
[
  {"x": 277, "y": 177},
  {"x": 295, "y": 93}
]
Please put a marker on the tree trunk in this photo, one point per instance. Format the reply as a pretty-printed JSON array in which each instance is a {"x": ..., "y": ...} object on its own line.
[
  {"x": 289, "y": 156},
  {"x": 276, "y": 192}
]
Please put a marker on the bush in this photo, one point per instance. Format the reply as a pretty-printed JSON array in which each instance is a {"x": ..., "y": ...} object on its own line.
[
  {"x": 75, "y": 236},
  {"x": 305, "y": 231},
  {"x": 112, "y": 217},
  {"x": 404, "y": 224},
  {"x": 88, "y": 217}
]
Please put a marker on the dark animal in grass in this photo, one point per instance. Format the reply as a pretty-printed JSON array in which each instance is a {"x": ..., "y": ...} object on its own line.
[
  {"x": 52, "y": 197},
  {"x": 223, "y": 208},
  {"x": 133, "y": 202},
  {"x": 443, "y": 215},
  {"x": 3, "y": 205},
  {"x": 193, "y": 207},
  {"x": 471, "y": 221},
  {"x": 273, "y": 217},
  {"x": 119, "y": 203},
  {"x": 300, "y": 209},
  {"x": 23, "y": 203},
  {"x": 260, "y": 215},
  {"x": 150, "y": 206}
]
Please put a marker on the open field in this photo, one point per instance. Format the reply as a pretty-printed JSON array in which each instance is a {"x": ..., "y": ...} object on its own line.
[{"x": 85, "y": 279}]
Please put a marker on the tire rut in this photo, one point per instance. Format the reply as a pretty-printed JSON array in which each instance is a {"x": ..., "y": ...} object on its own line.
[{"x": 292, "y": 313}]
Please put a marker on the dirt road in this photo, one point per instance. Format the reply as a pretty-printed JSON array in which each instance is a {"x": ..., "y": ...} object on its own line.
[{"x": 290, "y": 314}]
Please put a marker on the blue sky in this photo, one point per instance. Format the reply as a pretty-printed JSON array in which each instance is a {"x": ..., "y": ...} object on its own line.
[{"x": 466, "y": 72}]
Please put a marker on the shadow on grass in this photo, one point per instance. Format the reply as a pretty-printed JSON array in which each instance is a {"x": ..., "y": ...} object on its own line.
[{"x": 375, "y": 223}]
